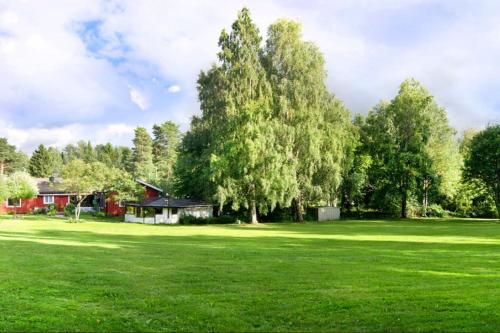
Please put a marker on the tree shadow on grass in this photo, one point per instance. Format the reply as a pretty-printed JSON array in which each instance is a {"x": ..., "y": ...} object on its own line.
[{"x": 228, "y": 282}]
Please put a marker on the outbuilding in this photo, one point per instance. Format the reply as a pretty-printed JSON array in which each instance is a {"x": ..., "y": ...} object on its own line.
[{"x": 166, "y": 210}]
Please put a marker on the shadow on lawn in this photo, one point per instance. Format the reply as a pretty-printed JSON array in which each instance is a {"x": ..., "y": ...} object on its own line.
[{"x": 275, "y": 237}]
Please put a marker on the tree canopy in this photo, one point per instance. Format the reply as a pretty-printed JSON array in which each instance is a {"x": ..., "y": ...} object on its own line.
[{"x": 483, "y": 161}]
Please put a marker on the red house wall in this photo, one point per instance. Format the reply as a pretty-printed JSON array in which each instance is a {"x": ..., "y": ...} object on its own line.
[
  {"x": 151, "y": 193},
  {"x": 29, "y": 205},
  {"x": 112, "y": 207}
]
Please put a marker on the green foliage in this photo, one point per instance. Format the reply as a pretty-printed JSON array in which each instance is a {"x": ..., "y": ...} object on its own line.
[
  {"x": 83, "y": 179},
  {"x": 247, "y": 165},
  {"x": 166, "y": 140},
  {"x": 483, "y": 161},
  {"x": 69, "y": 210},
  {"x": 313, "y": 125},
  {"x": 10, "y": 159},
  {"x": 436, "y": 210},
  {"x": 4, "y": 189},
  {"x": 51, "y": 210},
  {"x": 100, "y": 215},
  {"x": 44, "y": 162},
  {"x": 143, "y": 155},
  {"x": 413, "y": 151},
  {"x": 189, "y": 220},
  {"x": 21, "y": 186}
]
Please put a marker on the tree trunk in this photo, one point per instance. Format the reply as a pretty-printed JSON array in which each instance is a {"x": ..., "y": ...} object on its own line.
[
  {"x": 298, "y": 213},
  {"x": 253, "y": 213},
  {"x": 77, "y": 210},
  {"x": 425, "y": 200},
  {"x": 403, "y": 204},
  {"x": 2, "y": 167}
]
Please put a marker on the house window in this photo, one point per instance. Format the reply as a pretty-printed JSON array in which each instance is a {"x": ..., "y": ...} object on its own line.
[
  {"x": 48, "y": 199},
  {"x": 174, "y": 211},
  {"x": 13, "y": 202},
  {"x": 120, "y": 204}
]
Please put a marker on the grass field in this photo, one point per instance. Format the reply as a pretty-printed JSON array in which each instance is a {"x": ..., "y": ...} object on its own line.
[{"x": 431, "y": 275}]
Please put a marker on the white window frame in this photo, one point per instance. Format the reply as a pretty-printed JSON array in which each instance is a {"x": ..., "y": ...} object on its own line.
[
  {"x": 46, "y": 202},
  {"x": 9, "y": 206}
]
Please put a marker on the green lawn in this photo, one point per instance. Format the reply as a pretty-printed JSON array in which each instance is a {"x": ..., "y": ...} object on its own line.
[{"x": 427, "y": 275}]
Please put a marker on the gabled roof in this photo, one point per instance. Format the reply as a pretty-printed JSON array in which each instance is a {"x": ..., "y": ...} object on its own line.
[
  {"x": 142, "y": 182},
  {"x": 170, "y": 202},
  {"x": 45, "y": 186}
]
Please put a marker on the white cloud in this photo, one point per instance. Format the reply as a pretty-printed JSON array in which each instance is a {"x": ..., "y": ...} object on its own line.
[
  {"x": 174, "y": 89},
  {"x": 49, "y": 78},
  {"x": 139, "y": 99},
  {"x": 8, "y": 19},
  {"x": 27, "y": 139}
]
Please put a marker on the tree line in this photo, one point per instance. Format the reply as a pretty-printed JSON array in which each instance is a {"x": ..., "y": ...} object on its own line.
[{"x": 272, "y": 137}]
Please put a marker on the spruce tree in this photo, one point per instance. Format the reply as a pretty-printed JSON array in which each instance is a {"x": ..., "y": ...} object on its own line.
[
  {"x": 166, "y": 139},
  {"x": 41, "y": 163},
  {"x": 143, "y": 155}
]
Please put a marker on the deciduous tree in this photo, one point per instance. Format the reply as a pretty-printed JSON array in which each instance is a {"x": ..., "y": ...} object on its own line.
[{"x": 483, "y": 162}]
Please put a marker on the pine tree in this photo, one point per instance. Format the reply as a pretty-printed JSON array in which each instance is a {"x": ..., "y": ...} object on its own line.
[
  {"x": 10, "y": 159},
  {"x": 41, "y": 164},
  {"x": 166, "y": 139},
  {"x": 143, "y": 155}
]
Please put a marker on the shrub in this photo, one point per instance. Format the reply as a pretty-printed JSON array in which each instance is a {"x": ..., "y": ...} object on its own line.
[
  {"x": 224, "y": 219},
  {"x": 100, "y": 215},
  {"x": 40, "y": 211},
  {"x": 51, "y": 210},
  {"x": 189, "y": 219},
  {"x": 69, "y": 210},
  {"x": 436, "y": 210}
]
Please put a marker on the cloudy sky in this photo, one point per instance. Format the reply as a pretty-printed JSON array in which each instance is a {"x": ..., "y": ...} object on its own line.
[{"x": 72, "y": 70}]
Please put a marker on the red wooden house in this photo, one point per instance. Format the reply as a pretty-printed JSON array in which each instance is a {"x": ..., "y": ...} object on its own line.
[
  {"x": 49, "y": 193},
  {"x": 115, "y": 208}
]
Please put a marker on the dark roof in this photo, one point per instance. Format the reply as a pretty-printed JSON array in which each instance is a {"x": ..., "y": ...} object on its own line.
[
  {"x": 170, "y": 202},
  {"x": 47, "y": 187},
  {"x": 142, "y": 182}
]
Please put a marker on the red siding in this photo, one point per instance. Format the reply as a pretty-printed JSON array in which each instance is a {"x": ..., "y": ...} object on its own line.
[
  {"x": 29, "y": 205},
  {"x": 112, "y": 207},
  {"x": 151, "y": 193}
]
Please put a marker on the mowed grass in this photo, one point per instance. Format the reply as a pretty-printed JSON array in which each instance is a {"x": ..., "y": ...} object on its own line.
[{"x": 415, "y": 275}]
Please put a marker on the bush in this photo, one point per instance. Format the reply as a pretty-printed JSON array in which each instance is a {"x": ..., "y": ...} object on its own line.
[
  {"x": 51, "y": 210},
  {"x": 189, "y": 219},
  {"x": 436, "y": 210},
  {"x": 100, "y": 215},
  {"x": 69, "y": 210},
  {"x": 40, "y": 211}
]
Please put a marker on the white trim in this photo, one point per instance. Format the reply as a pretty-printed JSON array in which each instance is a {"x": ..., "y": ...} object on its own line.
[
  {"x": 46, "y": 202},
  {"x": 15, "y": 206}
]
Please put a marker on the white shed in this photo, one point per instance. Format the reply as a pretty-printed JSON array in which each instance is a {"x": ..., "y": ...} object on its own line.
[{"x": 328, "y": 213}]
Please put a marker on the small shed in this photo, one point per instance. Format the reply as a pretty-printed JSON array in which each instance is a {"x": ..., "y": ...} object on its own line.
[
  {"x": 328, "y": 213},
  {"x": 166, "y": 210}
]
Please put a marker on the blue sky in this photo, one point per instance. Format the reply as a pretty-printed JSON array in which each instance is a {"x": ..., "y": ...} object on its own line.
[{"x": 72, "y": 70}]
